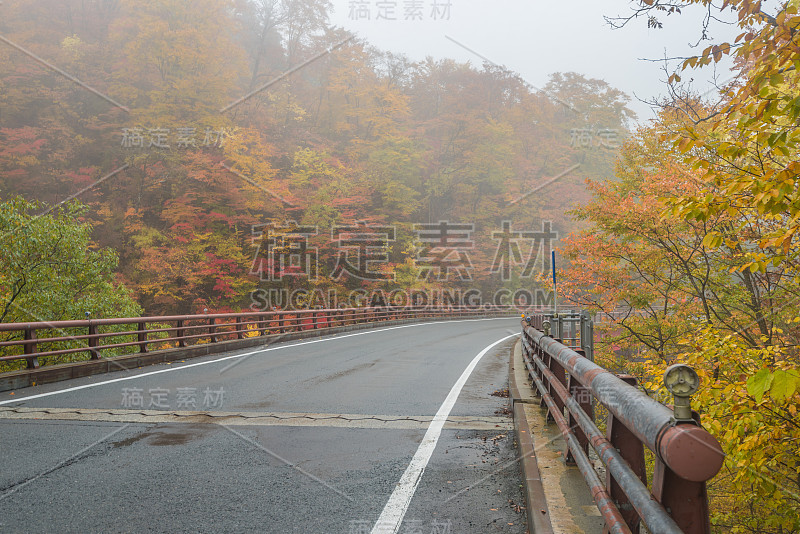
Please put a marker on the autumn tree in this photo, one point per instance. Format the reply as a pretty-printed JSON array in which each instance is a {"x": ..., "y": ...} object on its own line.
[
  {"x": 200, "y": 129},
  {"x": 732, "y": 315},
  {"x": 49, "y": 269}
]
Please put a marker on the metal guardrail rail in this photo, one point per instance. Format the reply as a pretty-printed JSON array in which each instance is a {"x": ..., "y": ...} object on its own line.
[
  {"x": 686, "y": 455},
  {"x": 183, "y": 330}
]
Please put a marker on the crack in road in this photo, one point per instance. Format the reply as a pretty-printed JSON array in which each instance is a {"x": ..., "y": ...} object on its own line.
[{"x": 289, "y": 419}]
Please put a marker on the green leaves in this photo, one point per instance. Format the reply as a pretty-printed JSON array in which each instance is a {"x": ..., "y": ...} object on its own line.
[
  {"x": 784, "y": 384},
  {"x": 712, "y": 240},
  {"x": 50, "y": 270},
  {"x": 758, "y": 384},
  {"x": 781, "y": 384}
]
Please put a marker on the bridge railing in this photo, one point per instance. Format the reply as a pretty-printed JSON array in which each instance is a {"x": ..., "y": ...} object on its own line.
[
  {"x": 686, "y": 455},
  {"x": 574, "y": 328},
  {"x": 39, "y": 340}
]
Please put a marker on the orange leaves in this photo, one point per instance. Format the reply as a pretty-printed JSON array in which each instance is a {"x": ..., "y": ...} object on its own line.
[{"x": 714, "y": 52}]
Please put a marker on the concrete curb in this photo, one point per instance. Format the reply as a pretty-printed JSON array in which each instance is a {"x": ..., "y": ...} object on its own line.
[
  {"x": 68, "y": 371},
  {"x": 520, "y": 393}
]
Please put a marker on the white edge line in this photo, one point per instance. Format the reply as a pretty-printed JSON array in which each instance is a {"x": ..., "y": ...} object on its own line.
[
  {"x": 77, "y": 388},
  {"x": 392, "y": 516}
]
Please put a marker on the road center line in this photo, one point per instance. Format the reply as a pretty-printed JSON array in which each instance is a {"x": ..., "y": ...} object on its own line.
[
  {"x": 246, "y": 354},
  {"x": 392, "y": 516}
]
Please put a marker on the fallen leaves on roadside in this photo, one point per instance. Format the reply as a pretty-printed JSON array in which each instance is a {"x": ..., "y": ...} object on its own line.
[{"x": 516, "y": 507}]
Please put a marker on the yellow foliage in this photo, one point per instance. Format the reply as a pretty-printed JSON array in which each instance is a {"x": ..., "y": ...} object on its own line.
[{"x": 758, "y": 489}]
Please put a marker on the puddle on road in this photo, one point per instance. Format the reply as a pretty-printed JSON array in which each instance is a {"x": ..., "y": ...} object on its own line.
[{"x": 162, "y": 436}]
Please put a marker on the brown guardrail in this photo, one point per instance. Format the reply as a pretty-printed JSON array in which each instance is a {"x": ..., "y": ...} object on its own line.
[
  {"x": 142, "y": 334},
  {"x": 686, "y": 455}
]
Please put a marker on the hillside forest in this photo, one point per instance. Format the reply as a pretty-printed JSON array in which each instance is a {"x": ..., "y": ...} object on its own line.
[{"x": 170, "y": 157}]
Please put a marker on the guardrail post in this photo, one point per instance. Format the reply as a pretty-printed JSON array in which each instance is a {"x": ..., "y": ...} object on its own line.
[
  {"x": 587, "y": 332},
  {"x": 141, "y": 336},
  {"x": 212, "y": 329},
  {"x": 530, "y": 354},
  {"x": 95, "y": 354},
  {"x": 583, "y": 396},
  {"x": 576, "y": 329},
  {"x": 546, "y": 381},
  {"x": 687, "y": 500},
  {"x": 239, "y": 325},
  {"x": 30, "y": 348},
  {"x": 582, "y": 328},
  {"x": 181, "y": 333},
  {"x": 557, "y": 369},
  {"x": 632, "y": 450}
]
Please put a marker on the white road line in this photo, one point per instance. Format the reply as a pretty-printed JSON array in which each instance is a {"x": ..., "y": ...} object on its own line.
[
  {"x": 392, "y": 516},
  {"x": 246, "y": 354}
]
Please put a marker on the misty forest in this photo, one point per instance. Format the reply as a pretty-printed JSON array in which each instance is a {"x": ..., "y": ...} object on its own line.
[{"x": 156, "y": 154}]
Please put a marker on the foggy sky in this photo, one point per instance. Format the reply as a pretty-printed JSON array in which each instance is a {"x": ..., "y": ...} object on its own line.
[{"x": 536, "y": 38}]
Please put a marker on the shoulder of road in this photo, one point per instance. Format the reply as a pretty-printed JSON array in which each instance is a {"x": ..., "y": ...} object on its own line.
[{"x": 558, "y": 499}]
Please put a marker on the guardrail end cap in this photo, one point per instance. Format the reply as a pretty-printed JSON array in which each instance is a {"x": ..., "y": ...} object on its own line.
[{"x": 691, "y": 452}]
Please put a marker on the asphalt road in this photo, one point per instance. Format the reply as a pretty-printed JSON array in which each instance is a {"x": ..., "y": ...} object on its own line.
[{"x": 318, "y": 436}]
